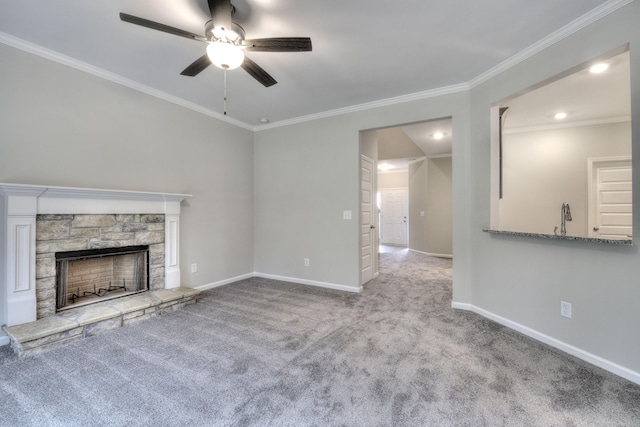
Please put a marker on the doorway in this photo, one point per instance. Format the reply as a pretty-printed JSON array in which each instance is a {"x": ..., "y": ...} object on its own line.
[{"x": 416, "y": 159}]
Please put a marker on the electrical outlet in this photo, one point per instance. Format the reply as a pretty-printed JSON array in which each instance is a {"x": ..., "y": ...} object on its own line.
[
  {"x": 346, "y": 214},
  {"x": 307, "y": 263},
  {"x": 565, "y": 309},
  {"x": 194, "y": 267}
]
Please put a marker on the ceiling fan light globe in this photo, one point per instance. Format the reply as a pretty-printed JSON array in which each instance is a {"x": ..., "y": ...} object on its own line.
[{"x": 225, "y": 55}]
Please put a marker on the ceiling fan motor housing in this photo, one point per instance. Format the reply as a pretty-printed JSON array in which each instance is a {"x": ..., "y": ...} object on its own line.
[{"x": 234, "y": 35}]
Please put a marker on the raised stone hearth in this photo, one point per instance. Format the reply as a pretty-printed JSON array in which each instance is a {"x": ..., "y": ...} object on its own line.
[{"x": 71, "y": 325}]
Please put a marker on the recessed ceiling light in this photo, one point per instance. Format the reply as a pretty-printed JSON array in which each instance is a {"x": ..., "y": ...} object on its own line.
[
  {"x": 438, "y": 135},
  {"x": 264, "y": 120},
  {"x": 599, "y": 68},
  {"x": 384, "y": 166},
  {"x": 560, "y": 116}
]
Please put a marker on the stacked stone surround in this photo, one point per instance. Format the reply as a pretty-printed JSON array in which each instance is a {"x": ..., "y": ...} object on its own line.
[{"x": 59, "y": 233}]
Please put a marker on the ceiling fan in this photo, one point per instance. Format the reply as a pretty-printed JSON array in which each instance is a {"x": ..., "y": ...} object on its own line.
[{"x": 226, "y": 43}]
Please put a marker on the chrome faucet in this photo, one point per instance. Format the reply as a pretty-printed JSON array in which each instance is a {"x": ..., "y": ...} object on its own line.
[{"x": 566, "y": 216}]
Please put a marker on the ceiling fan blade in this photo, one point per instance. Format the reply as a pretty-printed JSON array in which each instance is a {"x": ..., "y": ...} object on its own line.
[
  {"x": 221, "y": 13},
  {"x": 279, "y": 44},
  {"x": 197, "y": 66},
  {"x": 160, "y": 27},
  {"x": 257, "y": 72}
]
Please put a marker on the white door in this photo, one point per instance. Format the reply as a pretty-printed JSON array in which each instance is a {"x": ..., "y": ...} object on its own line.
[
  {"x": 610, "y": 204},
  {"x": 367, "y": 226},
  {"x": 394, "y": 216}
]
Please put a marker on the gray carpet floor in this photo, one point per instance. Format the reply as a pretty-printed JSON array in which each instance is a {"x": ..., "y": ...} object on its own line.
[{"x": 267, "y": 353}]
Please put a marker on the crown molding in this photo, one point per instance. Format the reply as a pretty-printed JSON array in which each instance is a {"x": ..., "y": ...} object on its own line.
[
  {"x": 566, "y": 125},
  {"x": 571, "y": 28},
  {"x": 51, "y": 55},
  {"x": 431, "y": 93}
]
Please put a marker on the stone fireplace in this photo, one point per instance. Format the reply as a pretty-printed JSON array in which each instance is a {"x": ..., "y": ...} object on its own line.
[
  {"x": 38, "y": 222},
  {"x": 76, "y": 253}
]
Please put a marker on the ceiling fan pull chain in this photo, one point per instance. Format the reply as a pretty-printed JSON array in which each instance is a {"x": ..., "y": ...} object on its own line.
[{"x": 225, "y": 91}]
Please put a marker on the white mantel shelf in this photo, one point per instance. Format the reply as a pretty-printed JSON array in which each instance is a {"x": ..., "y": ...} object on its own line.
[
  {"x": 92, "y": 193},
  {"x": 21, "y": 203}
]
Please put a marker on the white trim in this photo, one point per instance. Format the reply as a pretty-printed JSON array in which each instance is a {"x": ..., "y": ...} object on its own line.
[
  {"x": 434, "y": 255},
  {"x": 393, "y": 189},
  {"x": 417, "y": 96},
  {"x": 440, "y": 156},
  {"x": 564, "y": 125},
  {"x": 553, "y": 38},
  {"x": 4, "y": 339},
  {"x": 598, "y": 361},
  {"x": 112, "y": 77},
  {"x": 224, "y": 282},
  {"x": 171, "y": 251},
  {"x": 310, "y": 282},
  {"x": 392, "y": 171},
  {"x": 281, "y": 278}
]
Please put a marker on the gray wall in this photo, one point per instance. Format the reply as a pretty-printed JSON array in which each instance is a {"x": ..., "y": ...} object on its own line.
[
  {"x": 418, "y": 185},
  {"x": 299, "y": 204},
  {"x": 430, "y": 192},
  {"x": 439, "y": 206},
  {"x": 523, "y": 280},
  {"x": 543, "y": 169},
  {"x": 393, "y": 180},
  {"x": 63, "y": 127},
  {"x": 393, "y": 143}
]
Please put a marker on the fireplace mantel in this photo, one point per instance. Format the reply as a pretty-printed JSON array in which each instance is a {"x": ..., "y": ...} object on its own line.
[{"x": 21, "y": 203}]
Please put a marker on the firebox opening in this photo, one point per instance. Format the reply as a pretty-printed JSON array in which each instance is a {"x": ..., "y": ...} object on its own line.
[{"x": 95, "y": 275}]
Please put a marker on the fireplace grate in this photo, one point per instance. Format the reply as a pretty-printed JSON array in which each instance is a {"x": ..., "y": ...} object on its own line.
[{"x": 88, "y": 276}]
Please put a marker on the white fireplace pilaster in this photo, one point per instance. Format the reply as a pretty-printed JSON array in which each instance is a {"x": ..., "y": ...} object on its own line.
[
  {"x": 19, "y": 206},
  {"x": 19, "y": 248},
  {"x": 171, "y": 250}
]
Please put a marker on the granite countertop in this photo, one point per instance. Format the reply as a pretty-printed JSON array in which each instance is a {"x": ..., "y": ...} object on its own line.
[{"x": 622, "y": 242}]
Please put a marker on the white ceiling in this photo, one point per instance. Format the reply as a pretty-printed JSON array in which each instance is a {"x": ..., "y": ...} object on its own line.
[
  {"x": 422, "y": 134},
  {"x": 364, "y": 51},
  {"x": 585, "y": 97}
]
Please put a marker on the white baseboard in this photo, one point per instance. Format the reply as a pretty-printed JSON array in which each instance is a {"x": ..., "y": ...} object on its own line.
[
  {"x": 598, "y": 361},
  {"x": 4, "y": 340},
  {"x": 430, "y": 254},
  {"x": 224, "y": 282},
  {"x": 310, "y": 282},
  {"x": 282, "y": 278}
]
